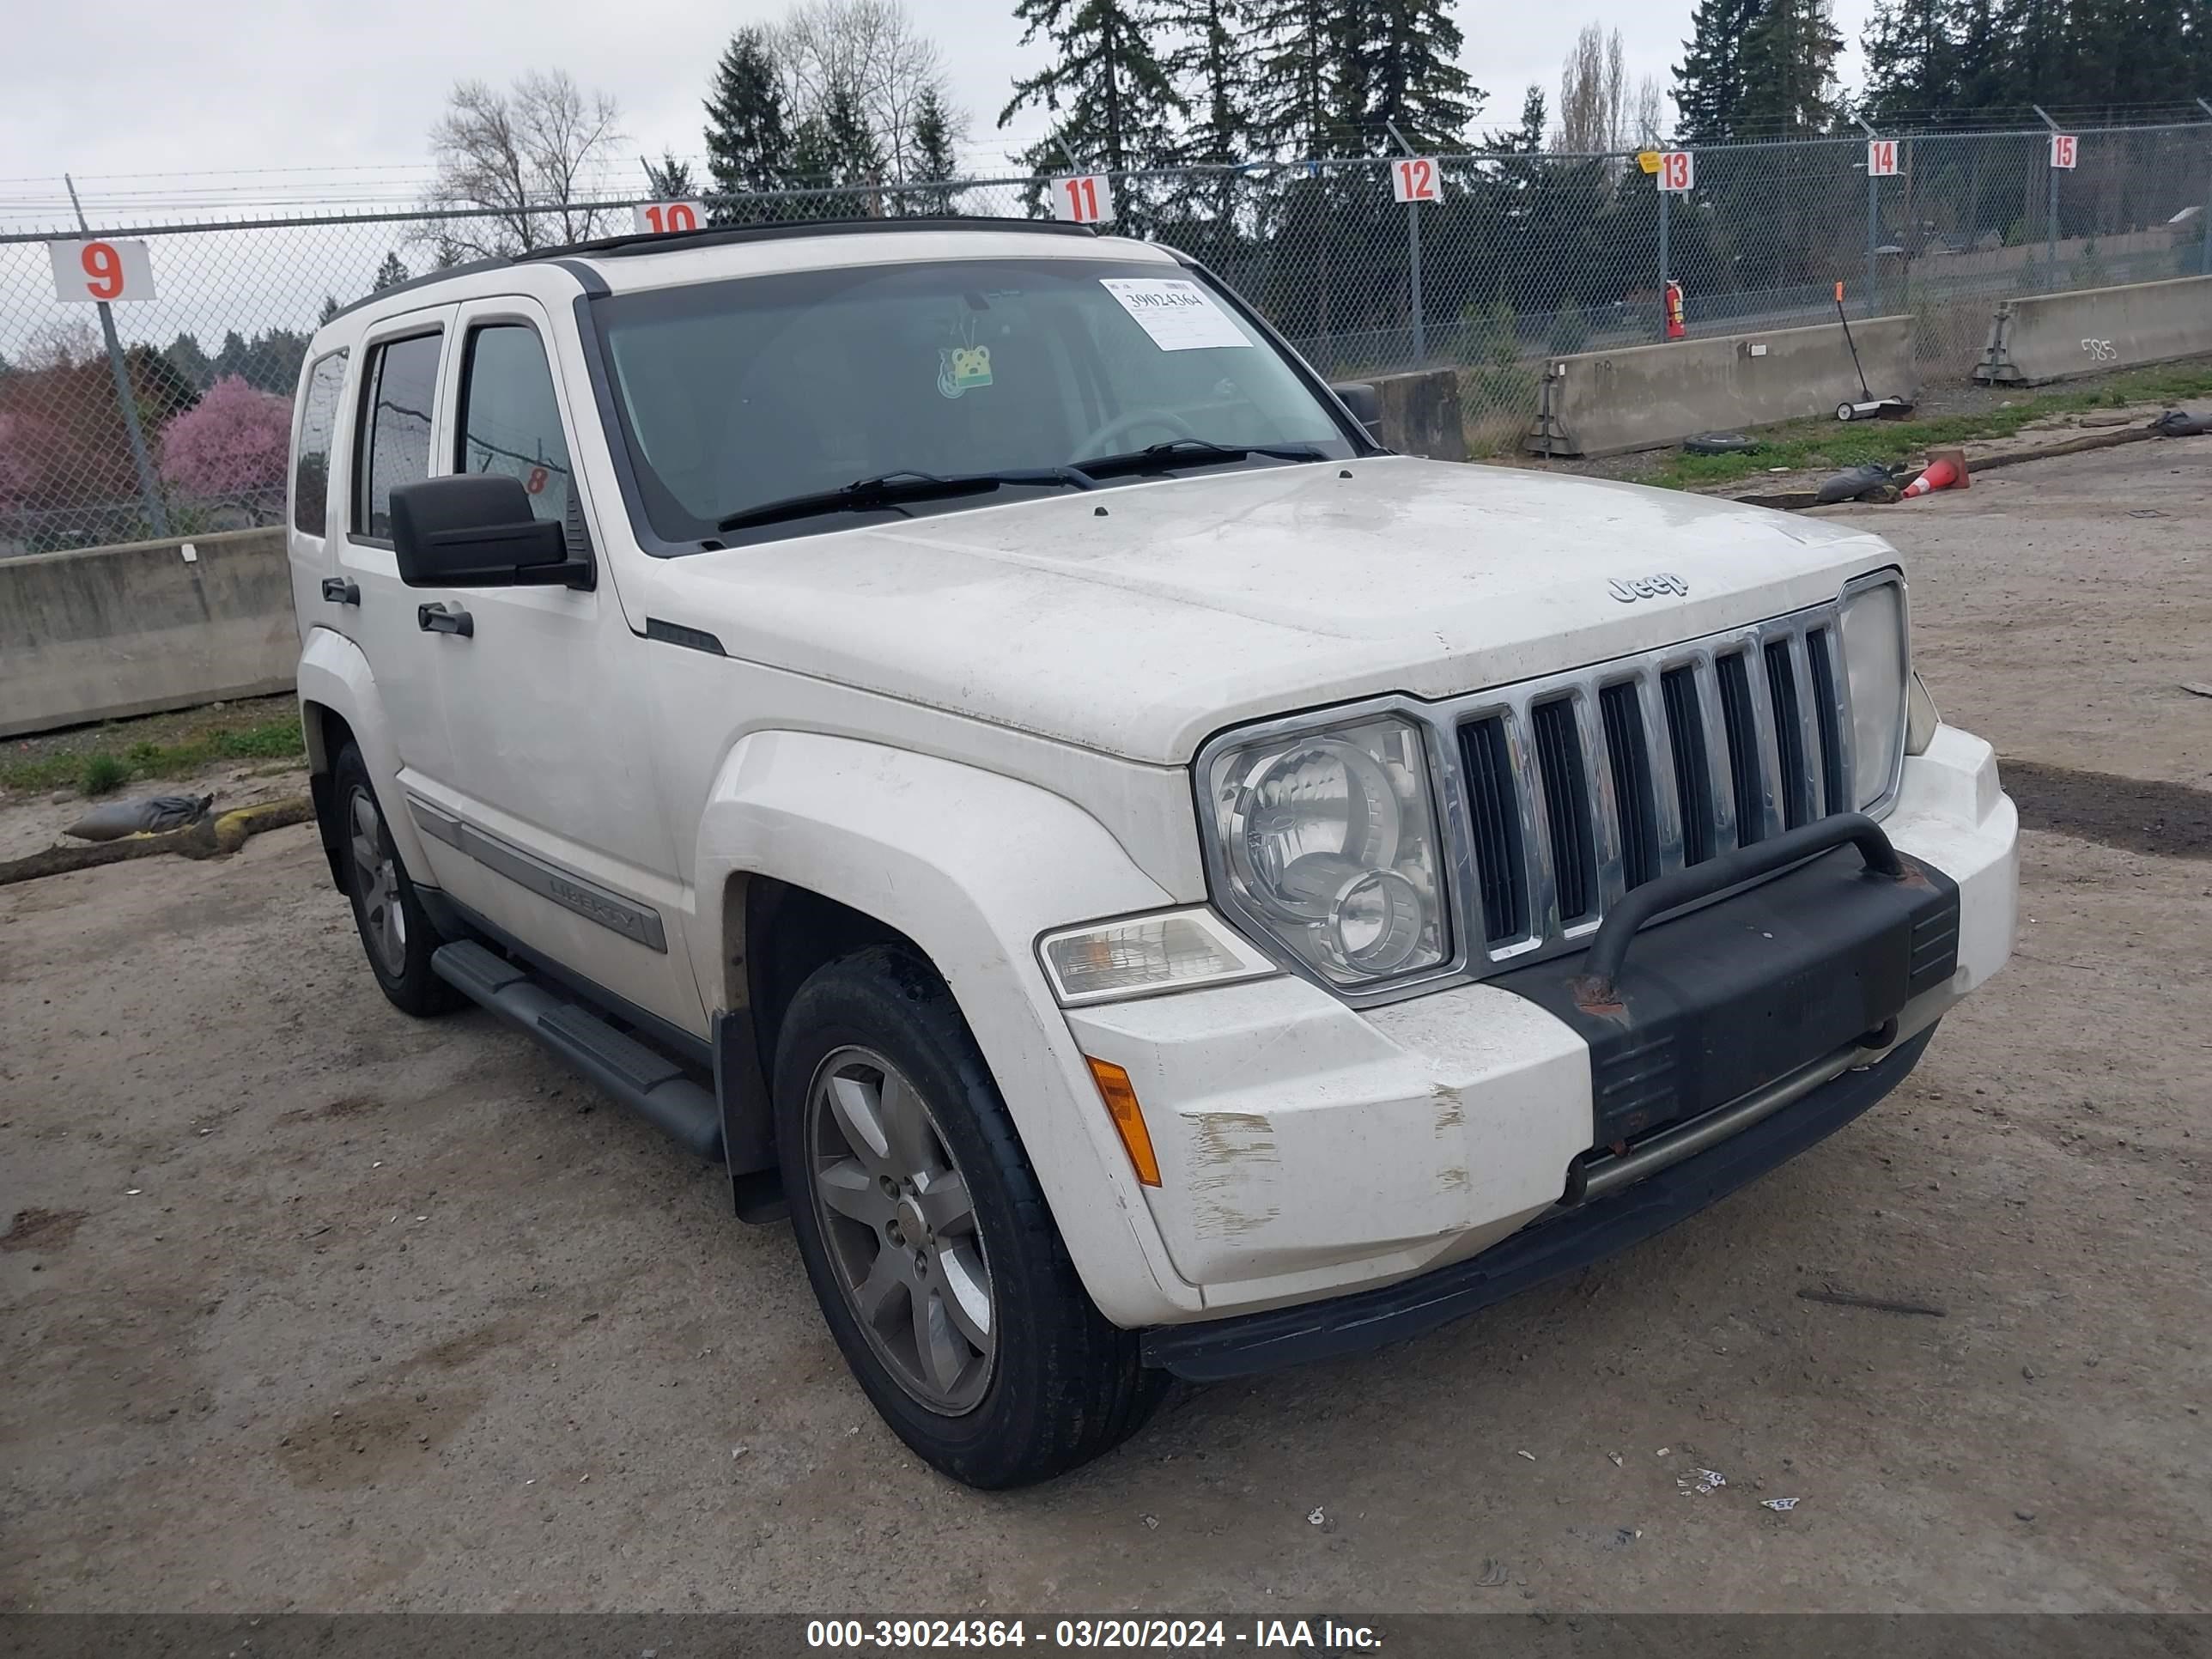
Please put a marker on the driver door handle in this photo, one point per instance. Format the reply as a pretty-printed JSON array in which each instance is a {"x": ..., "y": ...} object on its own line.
[
  {"x": 338, "y": 591},
  {"x": 445, "y": 619}
]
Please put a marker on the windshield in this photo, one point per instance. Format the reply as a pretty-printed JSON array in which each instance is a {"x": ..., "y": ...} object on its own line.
[{"x": 746, "y": 394}]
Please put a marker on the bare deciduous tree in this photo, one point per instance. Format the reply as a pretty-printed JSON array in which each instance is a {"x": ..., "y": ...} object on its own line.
[
  {"x": 871, "y": 49},
  {"x": 1649, "y": 120},
  {"x": 528, "y": 156},
  {"x": 1594, "y": 114}
]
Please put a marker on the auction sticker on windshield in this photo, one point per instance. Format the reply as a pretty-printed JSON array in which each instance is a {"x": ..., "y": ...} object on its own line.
[{"x": 1179, "y": 315}]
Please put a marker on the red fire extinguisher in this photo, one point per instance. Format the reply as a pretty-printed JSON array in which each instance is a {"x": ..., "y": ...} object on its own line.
[{"x": 1674, "y": 309}]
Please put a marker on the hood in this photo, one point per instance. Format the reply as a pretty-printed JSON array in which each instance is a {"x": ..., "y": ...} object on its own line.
[{"x": 1140, "y": 620}]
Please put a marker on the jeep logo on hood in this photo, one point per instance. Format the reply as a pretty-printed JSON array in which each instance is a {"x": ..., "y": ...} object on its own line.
[{"x": 1648, "y": 587}]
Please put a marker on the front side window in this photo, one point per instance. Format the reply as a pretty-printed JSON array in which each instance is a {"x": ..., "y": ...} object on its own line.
[
  {"x": 510, "y": 419},
  {"x": 393, "y": 446},
  {"x": 736, "y": 394},
  {"x": 311, "y": 455}
]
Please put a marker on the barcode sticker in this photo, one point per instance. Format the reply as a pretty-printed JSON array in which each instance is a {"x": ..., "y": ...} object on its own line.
[{"x": 1179, "y": 315}]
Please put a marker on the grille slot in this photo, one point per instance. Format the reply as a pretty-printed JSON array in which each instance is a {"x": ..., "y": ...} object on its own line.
[
  {"x": 1635, "y": 798},
  {"x": 1567, "y": 808},
  {"x": 1743, "y": 725},
  {"x": 1693, "y": 772},
  {"x": 1828, "y": 716},
  {"x": 1493, "y": 802},
  {"x": 1789, "y": 735}
]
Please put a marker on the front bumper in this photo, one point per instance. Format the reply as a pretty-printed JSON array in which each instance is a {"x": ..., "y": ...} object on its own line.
[
  {"x": 1312, "y": 1152},
  {"x": 1214, "y": 1350}
]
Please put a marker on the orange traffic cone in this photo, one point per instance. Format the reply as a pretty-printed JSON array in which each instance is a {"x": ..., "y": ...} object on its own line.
[{"x": 1947, "y": 469}]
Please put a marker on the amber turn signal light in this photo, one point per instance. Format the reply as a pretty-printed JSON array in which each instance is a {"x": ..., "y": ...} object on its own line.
[{"x": 1120, "y": 1098}]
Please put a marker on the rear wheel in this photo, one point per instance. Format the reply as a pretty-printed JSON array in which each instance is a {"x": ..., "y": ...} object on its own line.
[
  {"x": 938, "y": 1267},
  {"x": 396, "y": 931}
]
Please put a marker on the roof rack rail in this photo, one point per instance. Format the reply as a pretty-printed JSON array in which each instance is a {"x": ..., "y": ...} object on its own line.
[{"x": 718, "y": 235}]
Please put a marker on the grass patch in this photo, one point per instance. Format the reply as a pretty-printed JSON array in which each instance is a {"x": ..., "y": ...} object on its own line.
[
  {"x": 103, "y": 775},
  {"x": 106, "y": 769},
  {"x": 1832, "y": 444}
]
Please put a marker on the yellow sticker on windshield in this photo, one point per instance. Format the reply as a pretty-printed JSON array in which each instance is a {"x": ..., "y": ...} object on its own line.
[{"x": 962, "y": 368}]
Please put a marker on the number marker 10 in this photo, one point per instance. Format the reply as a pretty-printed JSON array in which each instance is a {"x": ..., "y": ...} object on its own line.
[
  {"x": 660, "y": 218},
  {"x": 1414, "y": 179},
  {"x": 97, "y": 271},
  {"x": 1087, "y": 198}
]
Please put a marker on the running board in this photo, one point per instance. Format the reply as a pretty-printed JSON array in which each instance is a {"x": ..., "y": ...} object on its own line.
[{"x": 644, "y": 1079}]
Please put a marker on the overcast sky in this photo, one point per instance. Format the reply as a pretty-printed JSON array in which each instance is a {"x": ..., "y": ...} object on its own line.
[{"x": 156, "y": 86}]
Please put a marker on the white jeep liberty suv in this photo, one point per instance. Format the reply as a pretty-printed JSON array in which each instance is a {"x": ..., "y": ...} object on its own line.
[{"x": 956, "y": 721}]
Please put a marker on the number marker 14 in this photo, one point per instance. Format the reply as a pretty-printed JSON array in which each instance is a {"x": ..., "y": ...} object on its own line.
[
  {"x": 1086, "y": 199},
  {"x": 1414, "y": 179}
]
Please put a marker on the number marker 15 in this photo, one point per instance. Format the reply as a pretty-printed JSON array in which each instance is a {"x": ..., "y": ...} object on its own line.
[
  {"x": 97, "y": 269},
  {"x": 1086, "y": 199},
  {"x": 1414, "y": 179}
]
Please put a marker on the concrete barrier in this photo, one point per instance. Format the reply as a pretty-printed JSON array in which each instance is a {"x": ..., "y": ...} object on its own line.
[
  {"x": 100, "y": 632},
  {"x": 1608, "y": 403},
  {"x": 1421, "y": 414},
  {"x": 2056, "y": 336}
]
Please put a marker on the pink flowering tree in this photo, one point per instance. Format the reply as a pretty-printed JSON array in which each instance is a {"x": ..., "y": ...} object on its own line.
[{"x": 231, "y": 445}]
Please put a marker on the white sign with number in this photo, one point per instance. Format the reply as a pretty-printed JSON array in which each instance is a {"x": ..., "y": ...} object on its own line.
[
  {"x": 2062, "y": 145},
  {"x": 1413, "y": 178},
  {"x": 658, "y": 218},
  {"x": 1678, "y": 170},
  {"x": 1087, "y": 198},
  {"x": 1881, "y": 158},
  {"x": 91, "y": 271}
]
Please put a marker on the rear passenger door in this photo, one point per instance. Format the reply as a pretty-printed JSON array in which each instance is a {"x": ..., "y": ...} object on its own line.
[
  {"x": 551, "y": 790},
  {"x": 389, "y": 439}
]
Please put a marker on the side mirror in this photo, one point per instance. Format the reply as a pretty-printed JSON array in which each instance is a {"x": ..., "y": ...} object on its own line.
[
  {"x": 1365, "y": 404},
  {"x": 476, "y": 529}
]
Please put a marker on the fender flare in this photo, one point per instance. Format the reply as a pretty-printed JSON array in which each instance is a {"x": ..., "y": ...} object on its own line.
[
  {"x": 335, "y": 674},
  {"x": 972, "y": 867}
]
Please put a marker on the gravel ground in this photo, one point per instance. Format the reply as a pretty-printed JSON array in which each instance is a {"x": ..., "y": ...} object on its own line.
[{"x": 308, "y": 1306}]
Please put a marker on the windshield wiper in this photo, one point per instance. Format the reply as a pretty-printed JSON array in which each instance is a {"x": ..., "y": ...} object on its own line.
[
  {"x": 894, "y": 488},
  {"x": 1193, "y": 451}
]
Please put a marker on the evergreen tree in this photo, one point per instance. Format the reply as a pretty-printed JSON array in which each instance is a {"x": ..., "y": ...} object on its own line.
[
  {"x": 393, "y": 272},
  {"x": 933, "y": 159},
  {"x": 2038, "y": 56},
  {"x": 1216, "y": 81},
  {"x": 1708, "y": 80},
  {"x": 330, "y": 309},
  {"x": 1114, "y": 102},
  {"x": 1913, "y": 60},
  {"x": 1787, "y": 63},
  {"x": 856, "y": 154},
  {"x": 1979, "y": 56},
  {"x": 668, "y": 179},
  {"x": 1404, "y": 72},
  {"x": 1297, "y": 105},
  {"x": 750, "y": 144}
]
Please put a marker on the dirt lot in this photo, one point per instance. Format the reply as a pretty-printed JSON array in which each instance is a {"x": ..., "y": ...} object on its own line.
[{"x": 306, "y": 1306}]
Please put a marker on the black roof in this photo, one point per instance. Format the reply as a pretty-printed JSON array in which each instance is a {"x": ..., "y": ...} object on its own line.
[{"x": 721, "y": 236}]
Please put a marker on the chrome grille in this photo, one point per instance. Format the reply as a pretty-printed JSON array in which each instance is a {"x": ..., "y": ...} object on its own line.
[{"x": 1579, "y": 786}]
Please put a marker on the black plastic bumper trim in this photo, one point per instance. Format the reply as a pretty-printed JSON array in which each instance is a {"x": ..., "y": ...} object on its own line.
[{"x": 1248, "y": 1344}]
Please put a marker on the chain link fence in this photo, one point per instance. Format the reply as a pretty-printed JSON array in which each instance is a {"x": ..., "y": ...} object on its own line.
[{"x": 171, "y": 415}]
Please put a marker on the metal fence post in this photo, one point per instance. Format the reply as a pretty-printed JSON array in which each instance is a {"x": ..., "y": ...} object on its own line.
[
  {"x": 157, "y": 514},
  {"x": 1413, "y": 261},
  {"x": 2205, "y": 230},
  {"x": 1874, "y": 209},
  {"x": 1665, "y": 197},
  {"x": 2050, "y": 212}
]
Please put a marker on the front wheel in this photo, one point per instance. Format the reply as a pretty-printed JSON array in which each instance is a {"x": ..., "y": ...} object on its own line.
[
  {"x": 928, "y": 1243},
  {"x": 396, "y": 930}
]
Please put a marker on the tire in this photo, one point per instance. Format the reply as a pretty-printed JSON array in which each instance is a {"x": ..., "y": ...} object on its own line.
[
  {"x": 396, "y": 933},
  {"x": 878, "y": 1080}
]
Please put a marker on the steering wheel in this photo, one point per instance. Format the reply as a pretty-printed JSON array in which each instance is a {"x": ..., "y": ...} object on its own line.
[{"x": 1094, "y": 446}]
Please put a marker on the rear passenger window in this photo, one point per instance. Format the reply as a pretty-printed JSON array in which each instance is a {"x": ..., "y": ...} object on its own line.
[
  {"x": 510, "y": 421},
  {"x": 393, "y": 446},
  {"x": 310, "y": 457}
]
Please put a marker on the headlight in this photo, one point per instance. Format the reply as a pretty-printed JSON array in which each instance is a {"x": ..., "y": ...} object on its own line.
[
  {"x": 1328, "y": 843},
  {"x": 1875, "y": 663}
]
